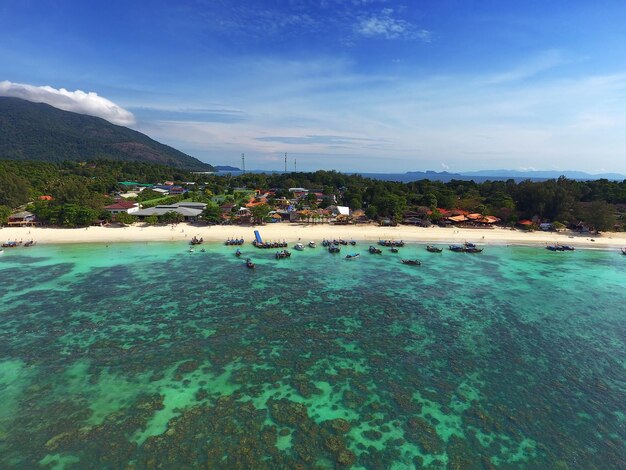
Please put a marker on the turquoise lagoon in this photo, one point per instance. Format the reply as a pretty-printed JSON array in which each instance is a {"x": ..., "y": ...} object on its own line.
[{"x": 147, "y": 356}]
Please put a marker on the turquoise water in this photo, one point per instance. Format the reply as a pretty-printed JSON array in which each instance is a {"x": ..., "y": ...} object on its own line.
[{"x": 145, "y": 355}]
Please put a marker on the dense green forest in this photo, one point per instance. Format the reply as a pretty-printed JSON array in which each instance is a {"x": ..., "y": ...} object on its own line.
[
  {"x": 81, "y": 190},
  {"x": 37, "y": 131}
]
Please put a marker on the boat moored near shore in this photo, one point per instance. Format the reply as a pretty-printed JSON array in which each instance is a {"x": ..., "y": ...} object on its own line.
[
  {"x": 412, "y": 262},
  {"x": 559, "y": 247},
  {"x": 465, "y": 248},
  {"x": 282, "y": 254}
]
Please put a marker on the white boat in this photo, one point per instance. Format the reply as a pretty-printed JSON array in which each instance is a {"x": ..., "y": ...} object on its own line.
[
  {"x": 298, "y": 246},
  {"x": 312, "y": 244}
]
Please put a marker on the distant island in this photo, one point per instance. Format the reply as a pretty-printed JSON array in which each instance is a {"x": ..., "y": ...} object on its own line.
[
  {"x": 492, "y": 175},
  {"x": 445, "y": 176},
  {"x": 226, "y": 168}
]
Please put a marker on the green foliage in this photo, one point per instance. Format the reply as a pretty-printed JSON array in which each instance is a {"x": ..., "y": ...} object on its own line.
[
  {"x": 600, "y": 216},
  {"x": 37, "y": 131},
  {"x": 14, "y": 189},
  {"x": 64, "y": 215},
  {"x": 435, "y": 216},
  {"x": 167, "y": 200},
  {"x": 212, "y": 212},
  {"x": 148, "y": 194},
  {"x": 371, "y": 212},
  {"x": 124, "y": 218},
  {"x": 260, "y": 212},
  {"x": 151, "y": 220},
  {"x": 171, "y": 217},
  {"x": 5, "y": 212},
  {"x": 86, "y": 185}
]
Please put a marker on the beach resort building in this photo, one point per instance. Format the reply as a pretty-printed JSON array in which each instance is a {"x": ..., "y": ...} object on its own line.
[
  {"x": 122, "y": 206},
  {"x": 189, "y": 210},
  {"x": 21, "y": 219}
]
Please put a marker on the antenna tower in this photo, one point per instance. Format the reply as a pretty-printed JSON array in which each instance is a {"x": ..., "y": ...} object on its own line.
[
  {"x": 243, "y": 163},
  {"x": 285, "y": 162},
  {"x": 295, "y": 168}
]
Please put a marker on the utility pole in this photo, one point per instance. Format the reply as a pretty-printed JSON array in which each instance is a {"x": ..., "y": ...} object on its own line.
[{"x": 243, "y": 163}]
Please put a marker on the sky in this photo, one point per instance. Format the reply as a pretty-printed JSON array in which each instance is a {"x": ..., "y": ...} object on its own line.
[{"x": 349, "y": 85}]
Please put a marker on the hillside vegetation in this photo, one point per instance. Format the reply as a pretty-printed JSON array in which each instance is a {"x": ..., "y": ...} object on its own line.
[{"x": 37, "y": 131}]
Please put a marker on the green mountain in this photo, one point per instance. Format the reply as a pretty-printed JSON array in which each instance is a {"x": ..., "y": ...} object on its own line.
[{"x": 37, "y": 131}]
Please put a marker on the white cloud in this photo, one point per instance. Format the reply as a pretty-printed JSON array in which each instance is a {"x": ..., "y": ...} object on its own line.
[
  {"x": 385, "y": 25},
  {"x": 76, "y": 101}
]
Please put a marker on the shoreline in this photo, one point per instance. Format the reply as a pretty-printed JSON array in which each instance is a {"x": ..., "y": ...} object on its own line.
[{"x": 293, "y": 232}]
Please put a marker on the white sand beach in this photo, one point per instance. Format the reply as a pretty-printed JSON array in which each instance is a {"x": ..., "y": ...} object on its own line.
[{"x": 304, "y": 232}]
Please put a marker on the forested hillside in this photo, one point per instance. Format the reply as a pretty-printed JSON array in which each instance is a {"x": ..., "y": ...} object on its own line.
[{"x": 37, "y": 131}]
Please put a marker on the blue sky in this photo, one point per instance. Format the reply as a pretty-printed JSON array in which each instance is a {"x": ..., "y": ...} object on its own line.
[{"x": 351, "y": 85}]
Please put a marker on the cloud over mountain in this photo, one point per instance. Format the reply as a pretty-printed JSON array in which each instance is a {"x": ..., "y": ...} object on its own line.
[{"x": 76, "y": 101}]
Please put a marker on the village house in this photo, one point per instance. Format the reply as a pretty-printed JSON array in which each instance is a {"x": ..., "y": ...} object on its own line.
[
  {"x": 22, "y": 219},
  {"x": 167, "y": 188},
  {"x": 122, "y": 206}
]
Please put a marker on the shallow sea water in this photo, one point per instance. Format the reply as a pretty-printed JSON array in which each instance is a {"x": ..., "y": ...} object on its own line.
[{"x": 147, "y": 356}]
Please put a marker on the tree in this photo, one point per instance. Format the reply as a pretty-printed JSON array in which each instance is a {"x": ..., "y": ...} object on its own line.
[
  {"x": 435, "y": 216},
  {"x": 151, "y": 220},
  {"x": 371, "y": 212},
  {"x": 355, "y": 203},
  {"x": 85, "y": 216},
  {"x": 105, "y": 215},
  {"x": 13, "y": 189},
  {"x": 600, "y": 215},
  {"x": 212, "y": 213},
  {"x": 311, "y": 199},
  {"x": 125, "y": 218},
  {"x": 430, "y": 200},
  {"x": 148, "y": 194},
  {"x": 171, "y": 217},
  {"x": 5, "y": 212},
  {"x": 260, "y": 212}
]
